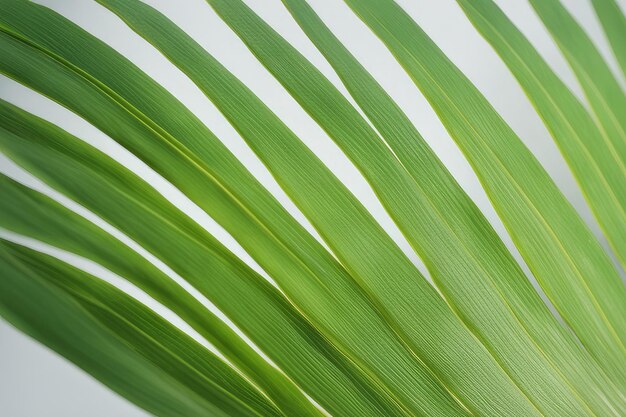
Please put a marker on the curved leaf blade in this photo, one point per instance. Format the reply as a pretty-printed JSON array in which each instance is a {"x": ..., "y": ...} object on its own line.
[
  {"x": 588, "y": 151},
  {"x": 614, "y": 23}
]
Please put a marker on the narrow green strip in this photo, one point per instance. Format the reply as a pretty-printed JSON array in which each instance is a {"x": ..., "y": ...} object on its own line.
[
  {"x": 589, "y": 152},
  {"x": 207, "y": 174},
  {"x": 614, "y": 23},
  {"x": 300, "y": 178},
  {"x": 29, "y": 213}
]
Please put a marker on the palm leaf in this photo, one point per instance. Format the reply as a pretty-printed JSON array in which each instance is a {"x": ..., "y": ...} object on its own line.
[
  {"x": 347, "y": 326},
  {"x": 36, "y": 216},
  {"x": 480, "y": 243},
  {"x": 608, "y": 104},
  {"x": 614, "y": 23},
  {"x": 602, "y": 90},
  {"x": 310, "y": 192},
  {"x": 282, "y": 273}
]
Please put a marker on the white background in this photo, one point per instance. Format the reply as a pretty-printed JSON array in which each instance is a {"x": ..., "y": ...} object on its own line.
[{"x": 36, "y": 382}]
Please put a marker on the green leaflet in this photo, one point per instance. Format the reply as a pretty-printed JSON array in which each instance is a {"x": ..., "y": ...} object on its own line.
[
  {"x": 305, "y": 179},
  {"x": 560, "y": 250},
  {"x": 98, "y": 183},
  {"x": 395, "y": 191},
  {"x": 602, "y": 90},
  {"x": 588, "y": 151},
  {"x": 139, "y": 355},
  {"x": 480, "y": 243},
  {"x": 614, "y": 24}
]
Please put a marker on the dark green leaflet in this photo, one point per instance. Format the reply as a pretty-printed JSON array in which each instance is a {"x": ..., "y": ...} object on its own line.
[
  {"x": 29, "y": 213},
  {"x": 138, "y": 355}
]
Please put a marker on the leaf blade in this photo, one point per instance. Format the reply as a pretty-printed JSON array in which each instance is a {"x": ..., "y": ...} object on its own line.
[
  {"x": 601, "y": 89},
  {"x": 614, "y": 24}
]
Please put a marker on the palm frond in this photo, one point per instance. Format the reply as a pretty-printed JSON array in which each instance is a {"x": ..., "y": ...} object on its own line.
[{"x": 346, "y": 326}]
